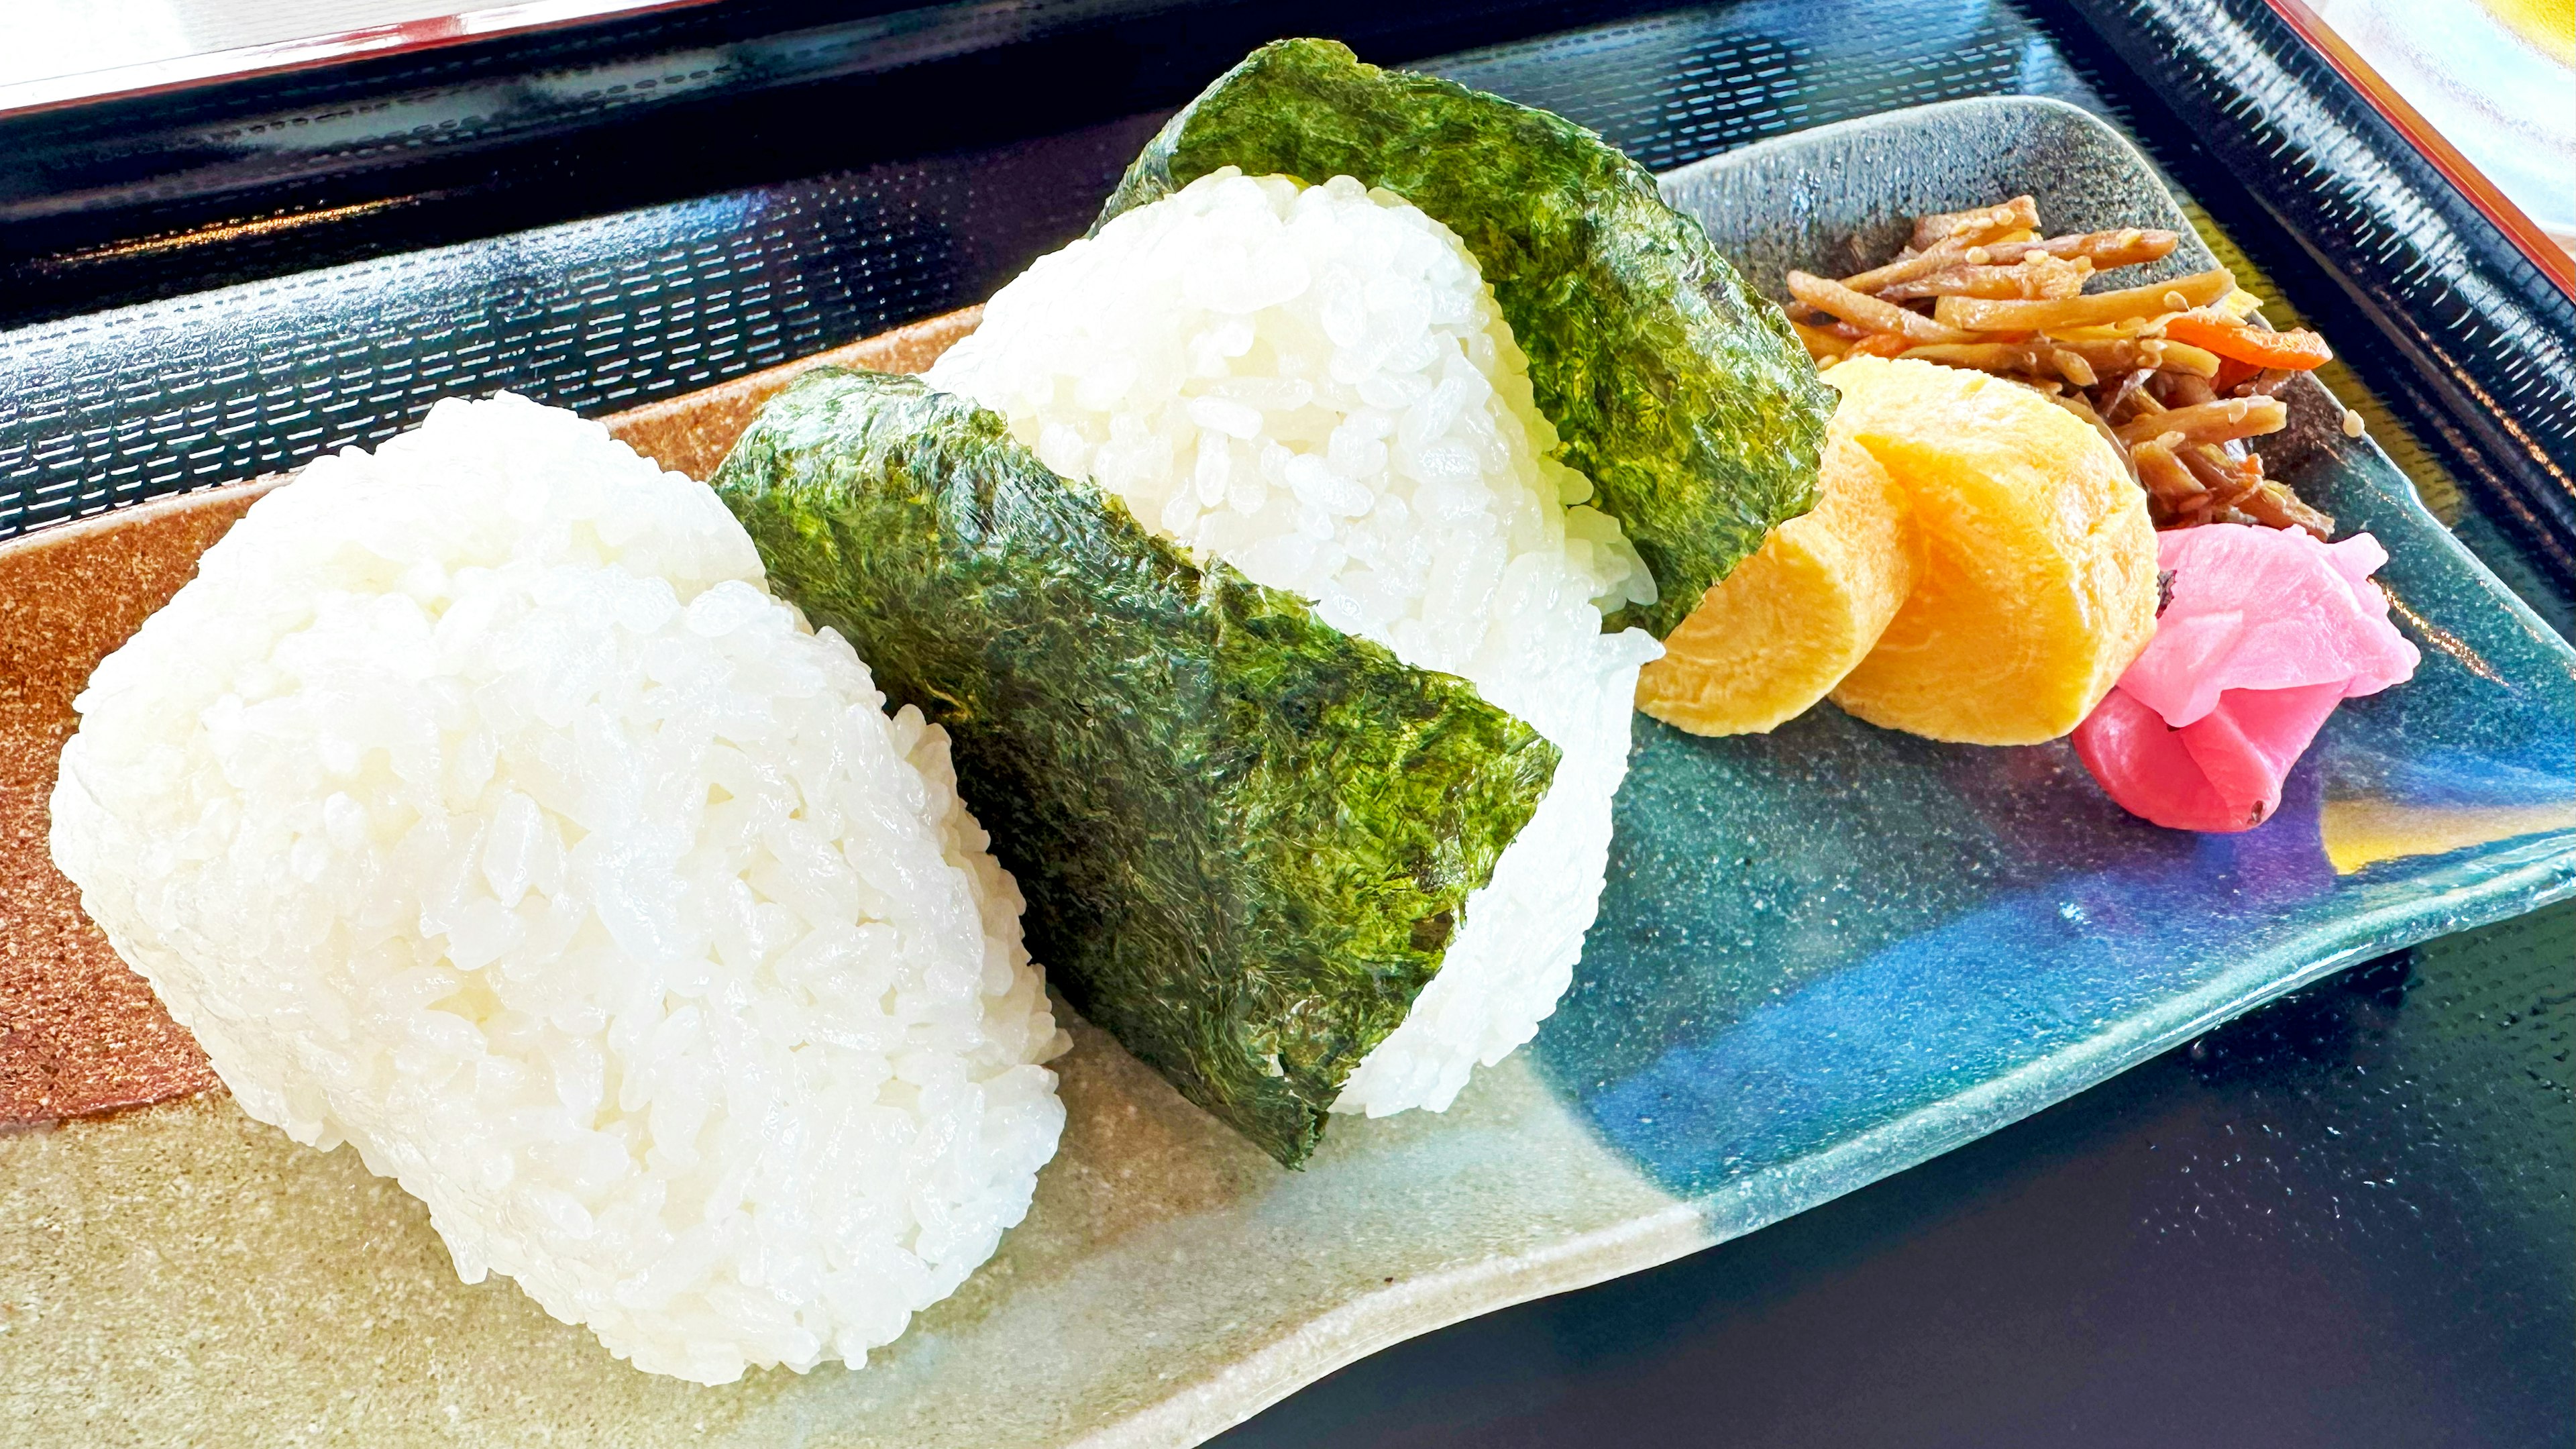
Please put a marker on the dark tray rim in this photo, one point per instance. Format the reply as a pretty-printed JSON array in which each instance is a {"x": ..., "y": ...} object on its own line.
[
  {"x": 2444, "y": 277},
  {"x": 2429, "y": 142}
]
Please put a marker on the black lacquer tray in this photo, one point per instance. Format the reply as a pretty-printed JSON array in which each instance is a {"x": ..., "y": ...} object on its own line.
[
  {"x": 763, "y": 180},
  {"x": 203, "y": 287}
]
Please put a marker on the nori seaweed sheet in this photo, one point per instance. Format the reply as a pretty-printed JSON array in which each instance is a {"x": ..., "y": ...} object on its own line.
[
  {"x": 1245, "y": 837},
  {"x": 1682, "y": 394}
]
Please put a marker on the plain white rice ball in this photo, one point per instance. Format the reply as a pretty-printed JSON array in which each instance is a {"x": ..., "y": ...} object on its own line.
[
  {"x": 1315, "y": 385},
  {"x": 478, "y": 806}
]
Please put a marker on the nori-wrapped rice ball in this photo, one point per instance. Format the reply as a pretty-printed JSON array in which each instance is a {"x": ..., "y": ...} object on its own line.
[
  {"x": 1245, "y": 838},
  {"x": 1682, "y": 395},
  {"x": 1295, "y": 870}
]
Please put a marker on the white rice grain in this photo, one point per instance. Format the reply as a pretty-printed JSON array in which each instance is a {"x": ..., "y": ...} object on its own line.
[{"x": 477, "y": 805}]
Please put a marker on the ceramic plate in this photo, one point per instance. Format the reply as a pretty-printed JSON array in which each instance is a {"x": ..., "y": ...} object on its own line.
[{"x": 1825, "y": 954}]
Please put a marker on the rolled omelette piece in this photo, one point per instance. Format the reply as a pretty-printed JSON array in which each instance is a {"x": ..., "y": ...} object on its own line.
[
  {"x": 1791, "y": 621},
  {"x": 1249, "y": 841},
  {"x": 2035, "y": 584}
]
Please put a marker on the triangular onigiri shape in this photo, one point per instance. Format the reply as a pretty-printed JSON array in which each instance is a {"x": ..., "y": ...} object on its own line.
[
  {"x": 1247, "y": 839},
  {"x": 476, "y": 804},
  {"x": 1683, "y": 396}
]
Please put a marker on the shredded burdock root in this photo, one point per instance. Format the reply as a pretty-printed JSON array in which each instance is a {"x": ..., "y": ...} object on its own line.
[{"x": 2175, "y": 375}]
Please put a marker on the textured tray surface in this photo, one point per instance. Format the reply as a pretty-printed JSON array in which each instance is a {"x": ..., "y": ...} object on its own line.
[
  {"x": 597, "y": 316},
  {"x": 2488, "y": 336},
  {"x": 1826, "y": 954},
  {"x": 106, "y": 409}
]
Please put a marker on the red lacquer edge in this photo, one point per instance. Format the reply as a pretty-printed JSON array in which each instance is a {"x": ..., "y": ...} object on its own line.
[
  {"x": 2545, "y": 253},
  {"x": 366, "y": 43}
]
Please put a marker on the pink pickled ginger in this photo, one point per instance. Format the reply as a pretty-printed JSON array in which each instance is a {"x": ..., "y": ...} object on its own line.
[{"x": 2265, "y": 632}]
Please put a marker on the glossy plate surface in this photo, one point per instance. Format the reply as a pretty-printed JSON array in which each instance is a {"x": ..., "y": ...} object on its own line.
[
  {"x": 1825, "y": 954},
  {"x": 1947, "y": 936}
]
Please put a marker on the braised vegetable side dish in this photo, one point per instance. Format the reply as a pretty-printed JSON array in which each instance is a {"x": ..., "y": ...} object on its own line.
[{"x": 2176, "y": 375}]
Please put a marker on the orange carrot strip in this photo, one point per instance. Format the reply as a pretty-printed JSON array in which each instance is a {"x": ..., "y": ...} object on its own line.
[{"x": 2298, "y": 350}]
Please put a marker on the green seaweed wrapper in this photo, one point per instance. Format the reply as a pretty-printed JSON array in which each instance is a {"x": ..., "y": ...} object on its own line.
[
  {"x": 1684, "y": 396},
  {"x": 1245, "y": 837}
]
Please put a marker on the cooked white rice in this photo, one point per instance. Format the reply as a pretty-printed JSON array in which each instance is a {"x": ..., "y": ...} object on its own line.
[
  {"x": 476, "y": 805},
  {"x": 1314, "y": 384}
]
